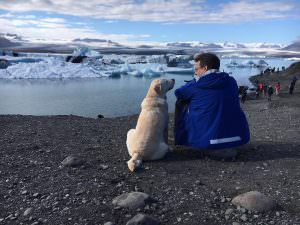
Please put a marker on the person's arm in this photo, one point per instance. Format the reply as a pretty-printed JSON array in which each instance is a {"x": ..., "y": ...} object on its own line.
[{"x": 185, "y": 92}]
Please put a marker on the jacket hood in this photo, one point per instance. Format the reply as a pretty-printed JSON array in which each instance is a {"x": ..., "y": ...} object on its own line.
[{"x": 213, "y": 80}]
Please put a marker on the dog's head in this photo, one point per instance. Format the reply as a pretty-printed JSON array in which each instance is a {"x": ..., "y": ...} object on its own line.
[{"x": 159, "y": 87}]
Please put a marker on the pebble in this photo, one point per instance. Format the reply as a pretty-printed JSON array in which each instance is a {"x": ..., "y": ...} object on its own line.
[
  {"x": 27, "y": 211},
  {"x": 24, "y": 192},
  {"x": 244, "y": 217},
  {"x": 235, "y": 223},
  {"x": 104, "y": 167},
  {"x": 108, "y": 223},
  {"x": 229, "y": 211}
]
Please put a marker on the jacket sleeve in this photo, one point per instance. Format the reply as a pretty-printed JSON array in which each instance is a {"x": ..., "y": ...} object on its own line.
[{"x": 185, "y": 92}]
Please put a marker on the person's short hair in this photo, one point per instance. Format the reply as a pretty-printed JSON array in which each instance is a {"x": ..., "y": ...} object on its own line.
[{"x": 208, "y": 59}]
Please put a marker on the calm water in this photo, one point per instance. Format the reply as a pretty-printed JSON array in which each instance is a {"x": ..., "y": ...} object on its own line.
[{"x": 90, "y": 97}]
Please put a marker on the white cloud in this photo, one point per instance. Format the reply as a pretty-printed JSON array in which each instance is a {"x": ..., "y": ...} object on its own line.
[
  {"x": 53, "y": 29},
  {"x": 190, "y": 11}
]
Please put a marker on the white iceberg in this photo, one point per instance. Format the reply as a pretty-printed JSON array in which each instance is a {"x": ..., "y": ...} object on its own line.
[
  {"x": 50, "y": 68},
  {"x": 85, "y": 51},
  {"x": 135, "y": 73}
]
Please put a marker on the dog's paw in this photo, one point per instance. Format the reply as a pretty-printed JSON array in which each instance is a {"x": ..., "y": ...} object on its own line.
[{"x": 133, "y": 165}]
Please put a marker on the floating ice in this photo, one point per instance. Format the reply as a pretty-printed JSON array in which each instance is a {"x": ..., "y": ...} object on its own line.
[
  {"x": 135, "y": 73},
  {"x": 151, "y": 73},
  {"x": 50, "y": 68},
  {"x": 85, "y": 51}
]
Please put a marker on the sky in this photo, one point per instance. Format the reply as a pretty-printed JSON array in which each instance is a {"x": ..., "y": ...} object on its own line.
[{"x": 153, "y": 21}]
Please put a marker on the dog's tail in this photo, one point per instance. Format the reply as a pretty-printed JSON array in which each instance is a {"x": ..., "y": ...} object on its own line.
[{"x": 135, "y": 162}]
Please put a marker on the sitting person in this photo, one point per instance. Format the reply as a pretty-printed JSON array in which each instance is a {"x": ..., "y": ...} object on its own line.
[{"x": 208, "y": 114}]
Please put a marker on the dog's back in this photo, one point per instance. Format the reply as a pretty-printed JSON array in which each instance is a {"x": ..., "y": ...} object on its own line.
[{"x": 147, "y": 140}]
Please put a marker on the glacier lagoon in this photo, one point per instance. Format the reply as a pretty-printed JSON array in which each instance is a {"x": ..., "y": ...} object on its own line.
[{"x": 89, "y": 94}]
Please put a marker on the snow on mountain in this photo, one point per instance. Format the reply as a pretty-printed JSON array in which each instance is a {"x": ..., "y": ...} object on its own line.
[
  {"x": 192, "y": 45},
  {"x": 293, "y": 47},
  {"x": 97, "y": 42}
]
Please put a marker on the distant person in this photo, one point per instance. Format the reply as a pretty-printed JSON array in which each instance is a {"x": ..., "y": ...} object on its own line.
[
  {"x": 243, "y": 95},
  {"x": 277, "y": 88},
  {"x": 270, "y": 92},
  {"x": 261, "y": 87},
  {"x": 265, "y": 89},
  {"x": 292, "y": 85},
  {"x": 257, "y": 92},
  {"x": 209, "y": 117}
]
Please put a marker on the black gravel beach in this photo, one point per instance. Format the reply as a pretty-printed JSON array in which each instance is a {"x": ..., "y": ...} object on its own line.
[{"x": 186, "y": 187}]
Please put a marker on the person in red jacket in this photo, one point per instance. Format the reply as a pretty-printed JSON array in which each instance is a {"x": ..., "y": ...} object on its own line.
[{"x": 277, "y": 88}]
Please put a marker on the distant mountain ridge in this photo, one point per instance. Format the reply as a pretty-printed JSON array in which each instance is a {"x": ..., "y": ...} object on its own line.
[{"x": 293, "y": 47}]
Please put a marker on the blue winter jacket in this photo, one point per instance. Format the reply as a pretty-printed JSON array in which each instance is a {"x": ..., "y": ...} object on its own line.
[{"x": 213, "y": 118}]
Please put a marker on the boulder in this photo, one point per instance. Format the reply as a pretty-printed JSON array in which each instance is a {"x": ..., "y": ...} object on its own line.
[
  {"x": 254, "y": 201},
  {"x": 3, "y": 63},
  {"x": 132, "y": 200},
  {"x": 142, "y": 219},
  {"x": 72, "y": 161},
  {"x": 75, "y": 59}
]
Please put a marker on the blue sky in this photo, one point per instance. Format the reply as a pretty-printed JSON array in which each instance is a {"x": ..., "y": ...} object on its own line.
[{"x": 147, "y": 21}]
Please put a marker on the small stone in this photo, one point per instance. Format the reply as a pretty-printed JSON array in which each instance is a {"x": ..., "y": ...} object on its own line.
[
  {"x": 72, "y": 161},
  {"x": 108, "y": 223},
  {"x": 142, "y": 219},
  {"x": 24, "y": 192},
  {"x": 35, "y": 194},
  {"x": 277, "y": 213},
  {"x": 229, "y": 211},
  {"x": 27, "y": 211},
  {"x": 235, "y": 223},
  {"x": 104, "y": 167},
  {"x": 244, "y": 217}
]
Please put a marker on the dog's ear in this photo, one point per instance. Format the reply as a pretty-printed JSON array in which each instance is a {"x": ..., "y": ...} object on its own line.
[{"x": 158, "y": 88}]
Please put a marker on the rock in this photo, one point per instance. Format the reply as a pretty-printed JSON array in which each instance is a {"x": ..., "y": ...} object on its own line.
[
  {"x": 254, "y": 201},
  {"x": 229, "y": 211},
  {"x": 27, "y": 211},
  {"x": 141, "y": 219},
  {"x": 235, "y": 223},
  {"x": 244, "y": 217},
  {"x": 3, "y": 63},
  {"x": 100, "y": 116},
  {"x": 75, "y": 59},
  {"x": 103, "y": 166},
  {"x": 72, "y": 161},
  {"x": 108, "y": 223},
  {"x": 132, "y": 200}
]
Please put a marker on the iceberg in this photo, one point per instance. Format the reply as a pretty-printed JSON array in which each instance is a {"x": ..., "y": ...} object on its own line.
[
  {"x": 50, "y": 68},
  {"x": 135, "y": 73},
  {"x": 85, "y": 51},
  {"x": 151, "y": 73},
  {"x": 182, "y": 71}
]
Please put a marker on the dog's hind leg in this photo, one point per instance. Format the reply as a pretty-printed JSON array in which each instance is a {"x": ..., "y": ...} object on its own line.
[
  {"x": 160, "y": 153},
  {"x": 129, "y": 141}
]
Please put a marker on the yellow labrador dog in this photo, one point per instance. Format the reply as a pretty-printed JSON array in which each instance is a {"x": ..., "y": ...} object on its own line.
[{"x": 149, "y": 140}]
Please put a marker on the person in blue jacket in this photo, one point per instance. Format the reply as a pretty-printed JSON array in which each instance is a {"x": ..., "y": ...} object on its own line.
[{"x": 208, "y": 115}]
